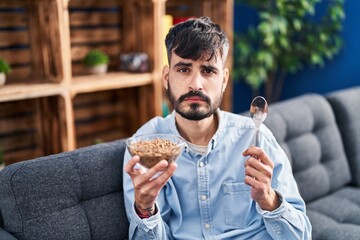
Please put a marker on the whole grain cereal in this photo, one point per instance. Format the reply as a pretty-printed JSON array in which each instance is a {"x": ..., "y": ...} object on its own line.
[{"x": 155, "y": 150}]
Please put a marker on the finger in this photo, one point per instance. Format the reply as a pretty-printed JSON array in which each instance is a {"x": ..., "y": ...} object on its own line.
[
  {"x": 251, "y": 181},
  {"x": 153, "y": 185},
  {"x": 259, "y": 175},
  {"x": 255, "y": 163},
  {"x": 129, "y": 167},
  {"x": 259, "y": 154},
  {"x": 159, "y": 167},
  {"x": 264, "y": 169},
  {"x": 251, "y": 161},
  {"x": 166, "y": 175},
  {"x": 252, "y": 151}
]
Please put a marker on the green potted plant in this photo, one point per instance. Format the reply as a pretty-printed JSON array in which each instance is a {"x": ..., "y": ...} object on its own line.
[
  {"x": 96, "y": 61},
  {"x": 285, "y": 38},
  {"x": 4, "y": 69}
]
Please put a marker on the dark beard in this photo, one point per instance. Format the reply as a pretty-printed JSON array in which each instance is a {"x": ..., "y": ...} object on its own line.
[{"x": 194, "y": 114}]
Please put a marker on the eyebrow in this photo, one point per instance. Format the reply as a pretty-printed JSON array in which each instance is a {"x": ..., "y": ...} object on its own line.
[
  {"x": 209, "y": 67},
  {"x": 183, "y": 64}
]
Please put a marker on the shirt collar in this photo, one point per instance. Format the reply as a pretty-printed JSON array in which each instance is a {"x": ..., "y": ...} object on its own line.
[{"x": 217, "y": 134}]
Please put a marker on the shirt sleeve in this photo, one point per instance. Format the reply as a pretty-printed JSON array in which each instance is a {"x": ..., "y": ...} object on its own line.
[
  {"x": 286, "y": 221},
  {"x": 289, "y": 221},
  {"x": 146, "y": 228}
]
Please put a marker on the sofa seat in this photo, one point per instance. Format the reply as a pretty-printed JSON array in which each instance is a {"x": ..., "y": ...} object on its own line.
[{"x": 336, "y": 216}]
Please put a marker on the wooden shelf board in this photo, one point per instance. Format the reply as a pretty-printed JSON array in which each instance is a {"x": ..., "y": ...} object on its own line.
[
  {"x": 93, "y": 83},
  {"x": 28, "y": 91}
]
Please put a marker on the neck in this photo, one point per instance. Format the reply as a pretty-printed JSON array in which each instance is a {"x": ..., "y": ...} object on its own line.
[{"x": 197, "y": 132}]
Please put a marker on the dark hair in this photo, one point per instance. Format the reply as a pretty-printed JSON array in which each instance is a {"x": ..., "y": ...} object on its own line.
[{"x": 197, "y": 38}]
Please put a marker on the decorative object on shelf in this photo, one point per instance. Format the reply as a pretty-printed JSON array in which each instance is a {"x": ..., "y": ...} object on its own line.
[
  {"x": 287, "y": 36},
  {"x": 96, "y": 61},
  {"x": 4, "y": 69},
  {"x": 134, "y": 62}
]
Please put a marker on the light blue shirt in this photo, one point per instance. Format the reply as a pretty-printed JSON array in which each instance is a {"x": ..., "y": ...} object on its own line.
[{"x": 207, "y": 198}]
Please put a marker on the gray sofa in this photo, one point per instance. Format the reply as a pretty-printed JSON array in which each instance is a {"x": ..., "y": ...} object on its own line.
[
  {"x": 321, "y": 136},
  {"x": 78, "y": 194},
  {"x": 72, "y": 195}
]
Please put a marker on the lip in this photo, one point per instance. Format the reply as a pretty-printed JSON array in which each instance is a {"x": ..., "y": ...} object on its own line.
[{"x": 192, "y": 99}]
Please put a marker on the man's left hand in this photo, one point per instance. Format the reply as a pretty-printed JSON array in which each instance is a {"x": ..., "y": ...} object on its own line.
[{"x": 258, "y": 174}]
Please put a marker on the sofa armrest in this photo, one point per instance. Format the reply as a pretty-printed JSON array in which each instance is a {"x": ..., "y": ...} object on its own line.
[
  {"x": 4, "y": 235},
  {"x": 345, "y": 104}
]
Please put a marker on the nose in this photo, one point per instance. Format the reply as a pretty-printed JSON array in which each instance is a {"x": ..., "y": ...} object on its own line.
[{"x": 195, "y": 84}]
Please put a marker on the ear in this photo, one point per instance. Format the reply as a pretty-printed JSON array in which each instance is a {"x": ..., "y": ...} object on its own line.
[
  {"x": 165, "y": 76},
  {"x": 225, "y": 79}
]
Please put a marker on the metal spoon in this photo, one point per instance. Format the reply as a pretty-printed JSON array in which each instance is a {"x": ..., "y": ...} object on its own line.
[{"x": 258, "y": 113}]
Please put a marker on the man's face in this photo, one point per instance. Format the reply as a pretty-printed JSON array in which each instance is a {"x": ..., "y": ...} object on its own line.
[{"x": 195, "y": 88}]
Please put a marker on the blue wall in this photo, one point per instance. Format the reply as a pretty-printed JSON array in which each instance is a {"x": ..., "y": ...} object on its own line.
[{"x": 341, "y": 72}]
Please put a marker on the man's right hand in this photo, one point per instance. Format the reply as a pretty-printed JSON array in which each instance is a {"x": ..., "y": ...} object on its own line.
[{"x": 146, "y": 184}]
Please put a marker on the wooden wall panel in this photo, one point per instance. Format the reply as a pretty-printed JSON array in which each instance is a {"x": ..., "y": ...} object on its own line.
[
  {"x": 31, "y": 128},
  {"x": 29, "y": 41},
  {"x": 95, "y": 25},
  {"x": 184, "y": 8},
  {"x": 92, "y": 36},
  {"x": 18, "y": 131},
  {"x": 15, "y": 39},
  {"x": 137, "y": 21},
  {"x": 17, "y": 57},
  {"x": 79, "y": 19},
  {"x": 12, "y": 4},
  {"x": 9, "y": 19},
  {"x": 45, "y": 41},
  {"x": 10, "y": 38},
  {"x": 94, "y": 3},
  {"x": 104, "y": 116},
  {"x": 51, "y": 123}
]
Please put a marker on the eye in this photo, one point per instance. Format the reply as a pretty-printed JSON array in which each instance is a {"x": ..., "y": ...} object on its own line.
[
  {"x": 183, "y": 70},
  {"x": 208, "y": 71}
]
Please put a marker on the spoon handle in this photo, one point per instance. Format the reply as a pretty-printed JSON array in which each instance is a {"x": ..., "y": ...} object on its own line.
[{"x": 257, "y": 137}]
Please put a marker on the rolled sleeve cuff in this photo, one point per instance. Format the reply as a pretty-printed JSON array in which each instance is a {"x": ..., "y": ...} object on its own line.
[
  {"x": 147, "y": 224},
  {"x": 285, "y": 214},
  {"x": 275, "y": 213}
]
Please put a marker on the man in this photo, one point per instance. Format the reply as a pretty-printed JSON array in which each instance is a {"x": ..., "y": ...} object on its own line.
[{"x": 221, "y": 187}]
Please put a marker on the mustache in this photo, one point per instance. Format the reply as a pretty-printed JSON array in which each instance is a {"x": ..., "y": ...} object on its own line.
[{"x": 198, "y": 94}]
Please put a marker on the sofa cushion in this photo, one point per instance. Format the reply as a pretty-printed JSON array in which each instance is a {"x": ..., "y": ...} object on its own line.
[
  {"x": 346, "y": 106},
  {"x": 305, "y": 127},
  {"x": 72, "y": 195},
  {"x": 5, "y": 235},
  {"x": 336, "y": 216}
]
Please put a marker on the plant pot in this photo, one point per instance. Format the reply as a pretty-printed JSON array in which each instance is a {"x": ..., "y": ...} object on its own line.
[
  {"x": 99, "y": 69},
  {"x": 2, "y": 79}
]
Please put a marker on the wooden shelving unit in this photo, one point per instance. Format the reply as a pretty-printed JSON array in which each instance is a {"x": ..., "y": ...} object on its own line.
[{"x": 50, "y": 104}]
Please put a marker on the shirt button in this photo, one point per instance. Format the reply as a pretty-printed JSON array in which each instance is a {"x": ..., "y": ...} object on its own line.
[
  {"x": 207, "y": 226},
  {"x": 201, "y": 164},
  {"x": 203, "y": 197}
]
